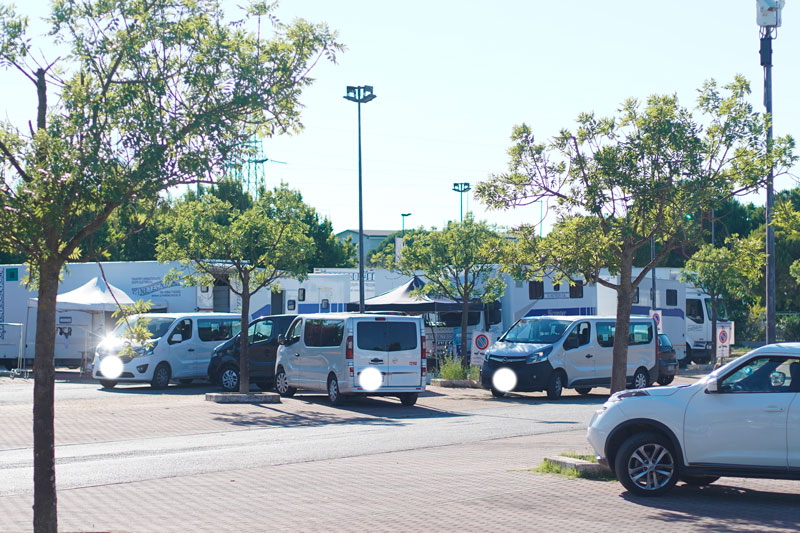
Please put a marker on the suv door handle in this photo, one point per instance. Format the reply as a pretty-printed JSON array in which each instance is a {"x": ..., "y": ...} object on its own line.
[
  {"x": 589, "y": 356},
  {"x": 190, "y": 350},
  {"x": 773, "y": 409},
  {"x": 297, "y": 355}
]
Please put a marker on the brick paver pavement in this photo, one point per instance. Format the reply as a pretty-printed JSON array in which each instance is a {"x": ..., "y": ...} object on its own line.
[{"x": 485, "y": 486}]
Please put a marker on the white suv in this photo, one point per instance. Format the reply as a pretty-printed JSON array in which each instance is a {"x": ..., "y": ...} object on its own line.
[{"x": 741, "y": 420}]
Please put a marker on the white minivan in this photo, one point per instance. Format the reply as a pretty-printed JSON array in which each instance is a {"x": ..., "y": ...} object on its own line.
[
  {"x": 550, "y": 353},
  {"x": 347, "y": 354},
  {"x": 180, "y": 348}
]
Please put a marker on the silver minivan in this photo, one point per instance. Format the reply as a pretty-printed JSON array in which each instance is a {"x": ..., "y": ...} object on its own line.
[
  {"x": 346, "y": 354},
  {"x": 550, "y": 353}
]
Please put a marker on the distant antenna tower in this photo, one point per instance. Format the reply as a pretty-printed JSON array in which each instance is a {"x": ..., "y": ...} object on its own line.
[{"x": 248, "y": 166}]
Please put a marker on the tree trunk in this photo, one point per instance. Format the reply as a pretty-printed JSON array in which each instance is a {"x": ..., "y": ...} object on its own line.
[
  {"x": 244, "y": 340},
  {"x": 619, "y": 365},
  {"x": 464, "y": 325},
  {"x": 44, "y": 469}
]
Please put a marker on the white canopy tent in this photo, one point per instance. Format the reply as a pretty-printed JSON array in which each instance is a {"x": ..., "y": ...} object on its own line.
[{"x": 98, "y": 300}]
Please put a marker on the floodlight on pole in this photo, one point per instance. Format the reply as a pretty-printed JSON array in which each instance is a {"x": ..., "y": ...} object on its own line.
[
  {"x": 404, "y": 215},
  {"x": 768, "y": 16},
  {"x": 360, "y": 94},
  {"x": 461, "y": 188}
]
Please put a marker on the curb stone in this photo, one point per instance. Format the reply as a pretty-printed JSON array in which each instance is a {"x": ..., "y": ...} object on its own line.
[
  {"x": 584, "y": 467},
  {"x": 456, "y": 383},
  {"x": 236, "y": 397}
]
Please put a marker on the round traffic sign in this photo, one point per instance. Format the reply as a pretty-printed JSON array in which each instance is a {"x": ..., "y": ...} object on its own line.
[
  {"x": 481, "y": 341},
  {"x": 723, "y": 337},
  {"x": 657, "y": 318}
]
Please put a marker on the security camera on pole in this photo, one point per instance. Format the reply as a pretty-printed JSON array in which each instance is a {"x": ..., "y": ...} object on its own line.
[{"x": 768, "y": 16}]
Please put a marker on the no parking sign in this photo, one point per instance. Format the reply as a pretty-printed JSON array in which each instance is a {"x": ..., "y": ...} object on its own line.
[
  {"x": 481, "y": 340},
  {"x": 655, "y": 314},
  {"x": 724, "y": 339}
]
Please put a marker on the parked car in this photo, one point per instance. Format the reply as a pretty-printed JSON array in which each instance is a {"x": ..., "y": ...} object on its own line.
[
  {"x": 667, "y": 360},
  {"x": 353, "y": 354},
  {"x": 180, "y": 348},
  {"x": 549, "y": 353},
  {"x": 262, "y": 333},
  {"x": 741, "y": 420}
]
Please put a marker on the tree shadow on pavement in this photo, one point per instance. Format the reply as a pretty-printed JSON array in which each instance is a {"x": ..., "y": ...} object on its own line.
[
  {"x": 721, "y": 507},
  {"x": 319, "y": 414}
]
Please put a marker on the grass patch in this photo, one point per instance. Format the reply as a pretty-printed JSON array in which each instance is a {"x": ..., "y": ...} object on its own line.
[
  {"x": 582, "y": 457},
  {"x": 474, "y": 373},
  {"x": 549, "y": 467},
  {"x": 451, "y": 369}
]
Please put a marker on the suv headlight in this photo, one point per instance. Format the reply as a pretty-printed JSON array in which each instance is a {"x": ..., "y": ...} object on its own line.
[
  {"x": 144, "y": 351},
  {"x": 621, "y": 395},
  {"x": 539, "y": 355}
]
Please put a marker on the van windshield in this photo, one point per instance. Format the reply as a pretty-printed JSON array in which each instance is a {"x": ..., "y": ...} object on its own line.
[
  {"x": 537, "y": 330},
  {"x": 157, "y": 326}
]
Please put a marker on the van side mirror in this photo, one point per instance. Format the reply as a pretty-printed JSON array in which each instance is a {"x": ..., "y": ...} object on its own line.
[
  {"x": 176, "y": 337},
  {"x": 712, "y": 386},
  {"x": 281, "y": 339}
]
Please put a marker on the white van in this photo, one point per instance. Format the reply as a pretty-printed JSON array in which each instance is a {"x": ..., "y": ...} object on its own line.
[
  {"x": 347, "y": 354},
  {"x": 549, "y": 353},
  {"x": 180, "y": 348}
]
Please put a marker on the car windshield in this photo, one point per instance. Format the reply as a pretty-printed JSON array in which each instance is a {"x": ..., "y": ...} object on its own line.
[
  {"x": 537, "y": 330},
  {"x": 157, "y": 326}
]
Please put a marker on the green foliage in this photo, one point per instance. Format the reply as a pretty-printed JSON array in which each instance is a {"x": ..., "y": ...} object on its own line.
[
  {"x": 216, "y": 242},
  {"x": 789, "y": 328},
  {"x": 618, "y": 182},
  {"x": 451, "y": 369},
  {"x": 550, "y": 467},
  {"x": 731, "y": 271}
]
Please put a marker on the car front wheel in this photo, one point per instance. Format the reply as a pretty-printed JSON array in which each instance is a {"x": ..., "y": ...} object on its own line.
[
  {"x": 229, "y": 379},
  {"x": 646, "y": 465},
  {"x": 555, "y": 386},
  {"x": 161, "y": 376},
  {"x": 640, "y": 379}
]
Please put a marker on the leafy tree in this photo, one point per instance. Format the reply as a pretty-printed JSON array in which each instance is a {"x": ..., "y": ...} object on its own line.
[
  {"x": 728, "y": 272},
  {"x": 459, "y": 262},
  {"x": 149, "y": 94},
  {"x": 387, "y": 247},
  {"x": 329, "y": 251},
  {"x": 617, "y": 183},
  {"x": 245, "y": 250}
]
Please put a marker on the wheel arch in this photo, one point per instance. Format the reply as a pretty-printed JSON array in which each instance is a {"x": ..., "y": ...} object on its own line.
[{"x": 622, "y": 432}]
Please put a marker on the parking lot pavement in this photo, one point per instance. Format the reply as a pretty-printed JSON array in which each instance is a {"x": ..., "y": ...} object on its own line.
[{"x": 471, "y": 487}]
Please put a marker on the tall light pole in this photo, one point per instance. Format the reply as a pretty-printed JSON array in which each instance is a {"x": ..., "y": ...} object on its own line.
[
  {"x": 361, "y": 95},
  {"x": 461, "y": 188},
  {"x": 768, "y": 16},
  {"x": 404, "y": 215}
]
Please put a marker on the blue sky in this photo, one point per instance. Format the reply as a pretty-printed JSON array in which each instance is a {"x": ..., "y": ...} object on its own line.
[{"x": 453, "y": 78}]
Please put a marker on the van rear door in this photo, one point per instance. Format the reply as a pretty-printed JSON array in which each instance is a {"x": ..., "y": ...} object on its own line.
[
  {"x": 396, "y": 342},
  {"x": 369, "y": 348}
]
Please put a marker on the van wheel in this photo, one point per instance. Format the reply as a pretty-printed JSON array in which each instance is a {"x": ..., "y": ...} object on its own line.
[
  {"x": 583, "y": 391},
  {"x": 646, "y": 466},
  {"x": 408, "y": 399},
  {"x": 282, "y": 384},
  {"x": 334, "y": 396},
  {"x": 640, "y": 379},
  {"x": 161, "y": 376},
  {"x": 665, "y": 380},
  {"x": 108, "y": 383},
  {"x": 555, "y": 386},
  {"x": 229, "y": 379},
  {"x": 498, "y": 393}
]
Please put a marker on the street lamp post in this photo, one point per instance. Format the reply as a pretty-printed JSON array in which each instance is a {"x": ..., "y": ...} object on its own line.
[
  {"x": 461, "y": 188},
  {"x": 404, "y": 215},
  {"x": 768, "y": 15},
  {"x": 361, "y": 95}
]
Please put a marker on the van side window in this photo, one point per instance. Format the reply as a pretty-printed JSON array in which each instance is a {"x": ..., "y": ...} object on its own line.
[
  {"x": 216, "y": 329},
  {"x": 605, "y": 334},
  {"x": 640, "y": 333},
  {"x": 672, "y": 297},
  {"x": 581, "y": 333},
  {"x": 535, "y": 290},
  {"x": 293, "y": 335},
  {"x": 323, "y": 332},
  {"x": 694, "y": 311},
  {"x": 260, "y": 331},
  {"x": 184, "y": 327}
]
